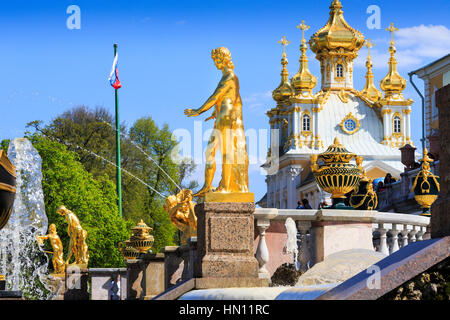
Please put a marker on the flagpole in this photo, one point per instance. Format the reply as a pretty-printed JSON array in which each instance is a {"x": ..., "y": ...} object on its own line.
[{"x": 118, "y": 168}]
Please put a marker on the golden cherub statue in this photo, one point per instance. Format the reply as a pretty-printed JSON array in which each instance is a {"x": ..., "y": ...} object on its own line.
[
  {"x": 180, "y": 208},
  {"x": 77, "y": 245},
  {"x": 228, "y": 133},
  {"x": 58, "y": 259}
]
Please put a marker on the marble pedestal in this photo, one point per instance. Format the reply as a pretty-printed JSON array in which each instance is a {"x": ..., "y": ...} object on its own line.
[
  {"x": 76, "y": 283},
  {"x": 225, "y": 253},
  {"x": 145, "y": 277}
]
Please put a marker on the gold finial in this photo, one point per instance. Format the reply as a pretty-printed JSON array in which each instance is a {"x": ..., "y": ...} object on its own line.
[
  {"x": 303, "y": 27},
  {"x": 303, "y": 82},
  {"x": 392, "y": 29},
  {"x": 284, "y": 42},
  {"x": 370, "y": 91},
  {"x": 393, "y": 83},
  {"x": 284, "y": 90}
]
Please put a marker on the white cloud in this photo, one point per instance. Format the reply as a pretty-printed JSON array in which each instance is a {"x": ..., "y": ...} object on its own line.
[
  {"x": 415, "y": 46},
  {"x": 257, "y": 99}
]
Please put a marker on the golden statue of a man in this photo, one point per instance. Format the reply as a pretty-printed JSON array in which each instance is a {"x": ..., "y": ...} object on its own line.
[
  {"x": 77, "y": 245},
  {"x": 58, "y": 259},
  {"x": 180, "y": 208},
  {"x": 228, "y": 133}
]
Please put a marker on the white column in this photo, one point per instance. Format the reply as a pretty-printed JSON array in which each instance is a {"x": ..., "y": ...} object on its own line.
[
  {"x": 407, "y": 127},
  {"x": 383, "y": 239},
  {"x": 394, "y": 241},
  {"x": 262, "y": 253},
  {"x": 404, "y": 234}
]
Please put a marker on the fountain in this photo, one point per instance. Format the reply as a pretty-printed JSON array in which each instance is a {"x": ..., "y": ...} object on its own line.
[{"x": 21, "y": 259}]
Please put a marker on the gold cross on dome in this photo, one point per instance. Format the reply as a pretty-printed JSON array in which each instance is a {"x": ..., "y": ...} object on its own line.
[
  {"x": 284, "y": 42},
  {"x": 369, "y": 45},
  {"x": 303, "y": 27},
  {"x": 392, "y": 29}
]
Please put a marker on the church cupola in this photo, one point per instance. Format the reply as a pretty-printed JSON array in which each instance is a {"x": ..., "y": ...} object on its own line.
[
  {"x": 336, "y": 45},
  {"x": 370, "y": 91},
  {"x": 284, "y": 91},
  {"x": 304, "y": 81},
  {"x": 393, "y": 84}
]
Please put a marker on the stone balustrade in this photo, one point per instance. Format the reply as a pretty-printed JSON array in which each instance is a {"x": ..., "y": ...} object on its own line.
[{"x": 323, "y": 232}]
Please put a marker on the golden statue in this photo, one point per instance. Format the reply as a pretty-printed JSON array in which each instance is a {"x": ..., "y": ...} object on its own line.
[
  {"x": 77, "y": 245},
  {"x": 58, "y": 259},
  {"x": 228, "y": 133},
  {"x": 180, "y": 208}
]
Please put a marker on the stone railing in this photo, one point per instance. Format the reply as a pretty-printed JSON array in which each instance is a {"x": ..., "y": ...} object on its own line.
[{"x": 323, "y": 232}]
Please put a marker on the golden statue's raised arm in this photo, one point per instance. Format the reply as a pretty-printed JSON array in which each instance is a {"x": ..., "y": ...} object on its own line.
[{"x": 213, "y": 100}]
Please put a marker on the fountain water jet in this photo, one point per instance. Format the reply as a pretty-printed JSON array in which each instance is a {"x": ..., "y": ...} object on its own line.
[{"x": 21, "y": 259}]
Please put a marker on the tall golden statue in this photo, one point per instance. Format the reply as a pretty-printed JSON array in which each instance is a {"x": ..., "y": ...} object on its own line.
[
  {"x": 180, "y": 208},
  {"x": 77, "y": 245},
  {"x": 228, "y": 133},
  {"x": 58, "y": 259}
]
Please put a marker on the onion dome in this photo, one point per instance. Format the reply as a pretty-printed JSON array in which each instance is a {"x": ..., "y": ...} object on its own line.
[
  {"x": 284, "y": 91},
  {"x": 304, "y": 80},
  {"x": 336, "y": 34},
  {"x": 393, "y": 83},
  {"x": 370, "y": 91}
]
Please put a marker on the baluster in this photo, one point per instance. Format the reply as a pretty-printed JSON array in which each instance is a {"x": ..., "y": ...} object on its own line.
[
  {"x": 262, "y": 253},
  {"x": 383, "y": 239},
  {"x": 412, "y": 234},
  {"x": 427, "y": 234},
  {"x": 394, "y": 240},
  {"x": 304, "y": 255},
  {"x": 404, "y": 234},
  {"x": 419, "y": 234}
]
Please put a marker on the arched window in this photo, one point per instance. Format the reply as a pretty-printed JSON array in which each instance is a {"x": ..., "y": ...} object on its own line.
[
  {"x": 339, "y": 71},
  {"x": 306, "y": 125},
  {"x": 397, "y": 124}
]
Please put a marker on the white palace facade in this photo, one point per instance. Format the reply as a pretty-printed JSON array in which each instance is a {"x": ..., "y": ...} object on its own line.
[{"x": 370, "y": 122}]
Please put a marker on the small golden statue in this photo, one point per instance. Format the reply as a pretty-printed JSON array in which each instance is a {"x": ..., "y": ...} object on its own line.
[
  {"x": 77, "y": 245},
  {"x": 58, "y": 258},
  {"x": 180, "y": 208},
  {"x": 228, "y": 133}
]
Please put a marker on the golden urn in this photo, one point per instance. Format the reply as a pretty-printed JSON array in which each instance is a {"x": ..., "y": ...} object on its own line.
[
  {"x": 140, "y": 242},
  {"x": 426, "y": 185},
  {"x": 337, "y": 175}
]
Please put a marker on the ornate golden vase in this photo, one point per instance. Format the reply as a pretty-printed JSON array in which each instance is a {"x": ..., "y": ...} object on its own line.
[
  {"x": 337, "y": 175},
  {"x": 426, "y": 185},
  {"x": 140, "y": 242},
  {"x": 7, "y": 188},
  {"x": 364, "y": 198}
]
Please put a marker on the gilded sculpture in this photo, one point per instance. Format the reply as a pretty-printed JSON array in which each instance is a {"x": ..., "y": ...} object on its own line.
[
  {"x": 228, "y": 133},
  {"x": 180, "y": 208},
  {"x": 77, "y": 245},
  {"x": 58, "y": 256},
  {"x": 426, "y": 186}
]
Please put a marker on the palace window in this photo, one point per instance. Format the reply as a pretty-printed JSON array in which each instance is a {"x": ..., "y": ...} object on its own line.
[
  {"x": 397, "y": 124},
  {"x": 339, "y": 71},
  {"x": 306, "y": 125}
]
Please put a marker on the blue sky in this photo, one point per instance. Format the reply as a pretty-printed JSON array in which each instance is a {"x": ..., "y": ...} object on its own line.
[{"x": 164, "y": 49}]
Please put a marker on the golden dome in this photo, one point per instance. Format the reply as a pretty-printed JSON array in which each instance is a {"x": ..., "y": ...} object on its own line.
[
  {"x": 304, "y": 80},
  {"x": 284, "y": 90},
  {"x": 370, "y": 91},
  {"x": 393, "y": 83},
  {"x": 336, "y": 34}
]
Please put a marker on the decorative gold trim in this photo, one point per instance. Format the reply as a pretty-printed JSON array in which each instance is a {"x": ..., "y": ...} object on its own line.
[
  {"x": 385, "y": 111},
  {"x": 350, "y": 116},
  {"x": 7, "y": 187},
  {"x": 6, "y": 163},
  {"x": 406, "y": 111}
]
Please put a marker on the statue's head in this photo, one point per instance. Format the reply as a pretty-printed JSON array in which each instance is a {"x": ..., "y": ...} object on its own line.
[
  {"x": 222, "y": 58},
  {"x": 52, "y": 228},
  {"x": 62, "y": 210}
]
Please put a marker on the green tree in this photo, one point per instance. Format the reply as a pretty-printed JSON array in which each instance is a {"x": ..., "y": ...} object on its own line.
[{"x": 66, "y": 182}]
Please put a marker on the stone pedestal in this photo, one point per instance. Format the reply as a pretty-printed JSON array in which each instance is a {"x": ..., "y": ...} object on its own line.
[
  {"x": 102, "y": 281},
  {"x": 145, "y": 277},
  {"x": 225, "y": 255},
  {"x": 76, "y": 283},
  {"x": 179, "y": 262},
  {"x": 440, "y": 213},
  {"x": 329, "y": 237}
]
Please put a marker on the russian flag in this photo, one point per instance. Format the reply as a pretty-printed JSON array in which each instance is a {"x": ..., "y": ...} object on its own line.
[{"x": 114, "y": 76}]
